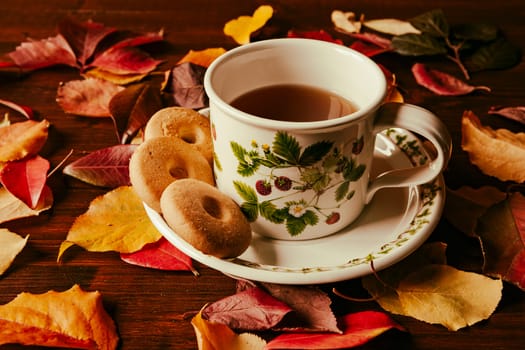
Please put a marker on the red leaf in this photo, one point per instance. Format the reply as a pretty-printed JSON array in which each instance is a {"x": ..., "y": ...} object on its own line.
[
  {"x": 249, "y": 310},
  {"x": 140, "y": 40},
  {"x": 358, "y": 329},
  {"x": 83, "y": 37},
  {"x": 317, "y": 35},
  {"x": 514, "y": 113},
  {"x": 161, "y": 255},
  {"x": 24, "y": 110},
  {"x": 125, "y": 60},
  {"x": 44, "y": 53},
  {"x": 442, "y": 83},
  {"x": 185, "y": 83},
  {"x": 25, "y": 179},
  {"x": 89, "y": 97},
  {"x": 368, "y": 49},
  {"x": 373, "y": 39},
  {"x": 107, "y": 167}
]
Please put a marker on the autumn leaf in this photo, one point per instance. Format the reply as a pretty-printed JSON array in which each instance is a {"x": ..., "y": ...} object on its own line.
[
  {"x": 392, "y": 26},
  {"x": 12, "y": 244},
  {"x": 115, "y": 221},
  {"x": 12, "y": 208},
  {"x": 22, "y": 139},
  {"x": 26, "y": 179},
  {"x": 24, "y": 110},
  {"x": 441, "y": 294},
  {"x": 89, "y": 97},
  {"x": 250, "y": 310},
  {"x": 70, "y": 319},
  {"x": 346, "y": 22},
  {"x": 513, "y": 113},
  {"x": 314, "y": 34},
  {"x": 217, "y": 336},
  {"x": 202, "y": 57},
  {"x": 161, "y": 255},
  {"x": 501, "y": 230},
  {"x": 242, "y": 27},
  {"x": 442, "y": 83},
  {"x": 358, "y": 329},
  {"x": 118, "y": 79},
  {"x": 499, "y": 153},
  {"x": 125, "y": 60},
  {"x": 36, "y": 54},
  {"x": 185, "y": 84},
  {"x": 107, "y": 167}
]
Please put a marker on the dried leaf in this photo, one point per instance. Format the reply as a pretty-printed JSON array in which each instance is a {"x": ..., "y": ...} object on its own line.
[
  {"x": 317, "y": 35},
  {"x": 140, "y": 40},
  {"x": 250, "y": 310},
  {"x": 499, "y": 153},
  {"x": 345, "y": 22},
  {"x": 160, "y": 255},
  {"x": 89, "y": 97},
  {"x": 125, "y": 60},
  {"x": 216, "y": 336},
  {"x": 203, "y": 57},
  {"x": 501, "y": 230},
  {"x": 432, "y": 22},
  {"x": 69, "y": 319},
  {"x": 24, "y": 110},
  {"x": 132, "y": 107},
  {"x": 107, "y": 167},
  {"x": 83, "y": 37},
  {"x": 358, "y": 328},
  {"x": 441, "y": 294},
  {"x": 442, "y": 83},
  {"x": 374, "y": 39},
  {"x": 391, "y": 26},
  {"x": 368, "y": 49},
  {"x": 242, "y": 27},
  {"x": 12, "y": 208},
  {"x": 499, "y": 54},
  {"x": 11, "y": 244},
  {"x": 26, "y": 179},
  {"x": 513, "y": 113},
  {"x": 115, "y": 221},
  {"x": 52, "y": 51},
  {"x": 185, "y": 83},
  {"x": 23, "y": 139},
  {"x": 118, "y": 79}
]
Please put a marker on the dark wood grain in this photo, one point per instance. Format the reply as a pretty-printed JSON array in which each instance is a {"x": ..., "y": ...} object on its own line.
[{"x": 148, "y": 305}]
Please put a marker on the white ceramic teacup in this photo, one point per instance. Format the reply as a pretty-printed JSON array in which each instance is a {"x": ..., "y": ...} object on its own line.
[{"x": 316, "y": 174}]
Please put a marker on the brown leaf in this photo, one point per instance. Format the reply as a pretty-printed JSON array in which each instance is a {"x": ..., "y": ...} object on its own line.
[
  {"x": 89, "y": 97},
  {"x": 132, "y": 108},
  {"x": 499, "y": 153},
  {"x": 11, "y": 244},
  {"x": 513, "y": 113},
  {"x": 442, "y": 83},
  {"x": 69, "y": 319},
  {"x": 22, "y": 139},
  {"x": 185, "y": 83}
]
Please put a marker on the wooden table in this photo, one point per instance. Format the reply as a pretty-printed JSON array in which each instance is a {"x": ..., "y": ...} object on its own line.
[{"x": 148, "y": 305}]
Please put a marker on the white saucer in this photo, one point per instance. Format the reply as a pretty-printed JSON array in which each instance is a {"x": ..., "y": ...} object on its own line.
[{"x": 395, "y": 223}]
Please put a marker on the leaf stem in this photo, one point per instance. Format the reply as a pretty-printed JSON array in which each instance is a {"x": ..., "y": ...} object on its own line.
[{"x": 456, "y": 58}]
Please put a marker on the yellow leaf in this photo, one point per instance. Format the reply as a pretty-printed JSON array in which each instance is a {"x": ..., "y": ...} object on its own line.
[
  {"x": 70, "y": 319},
  {"x": 441, "y": 294},
  {"x": 19, "y": 140},
  {"x": 499, "y": 153},
  {"x": 217, "y": 336},
  {"x": 115, "y": 221},
  {"x": 11, "y": 244},
  {"x": 203, "y": 57},
  {"x": 242, "y": 27},
  {"x": 119, "y": 79},
  {"x": 12, "y": 208}
]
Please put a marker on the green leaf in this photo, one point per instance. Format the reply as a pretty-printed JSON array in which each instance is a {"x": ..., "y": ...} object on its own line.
[
  {"x": 499, "y": 54},
  {"x": 342, "y": 190},
  {"x": 418, "y": 45},
  {"x": 432, "y": 22},
  {"x": 245, "y": 191},
  {"x": 314, "y": 153},
  {"x": 475, "y": 31},
  {"x": 286, "y": 147}
]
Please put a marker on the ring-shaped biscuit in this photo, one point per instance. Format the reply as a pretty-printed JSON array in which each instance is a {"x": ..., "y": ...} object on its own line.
[
  {"x": 159, "y": 161},
  {"x": 184, "y": 123},
  {"x": 206, "y": 218}
]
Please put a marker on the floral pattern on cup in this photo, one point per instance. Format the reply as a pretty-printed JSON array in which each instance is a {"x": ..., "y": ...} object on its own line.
[{"x": 321, "y": 168}]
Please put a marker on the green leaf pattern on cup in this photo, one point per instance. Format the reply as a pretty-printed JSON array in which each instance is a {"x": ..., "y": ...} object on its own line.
[{"x": 320, "y": 167}]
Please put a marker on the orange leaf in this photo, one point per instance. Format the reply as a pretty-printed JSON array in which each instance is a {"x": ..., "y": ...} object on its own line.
[
  {"x": 499, "y": 153},
  {"x": 242, "y": 27},
  {"x": 70, "y": 319},
  {"x": 11, "y": 244},
  {"x": 203, "y": 57},
  {"x": 22, "y": 139}
]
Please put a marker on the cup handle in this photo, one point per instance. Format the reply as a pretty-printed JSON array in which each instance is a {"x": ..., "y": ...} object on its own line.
[{"x": 422, "y": 122}]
